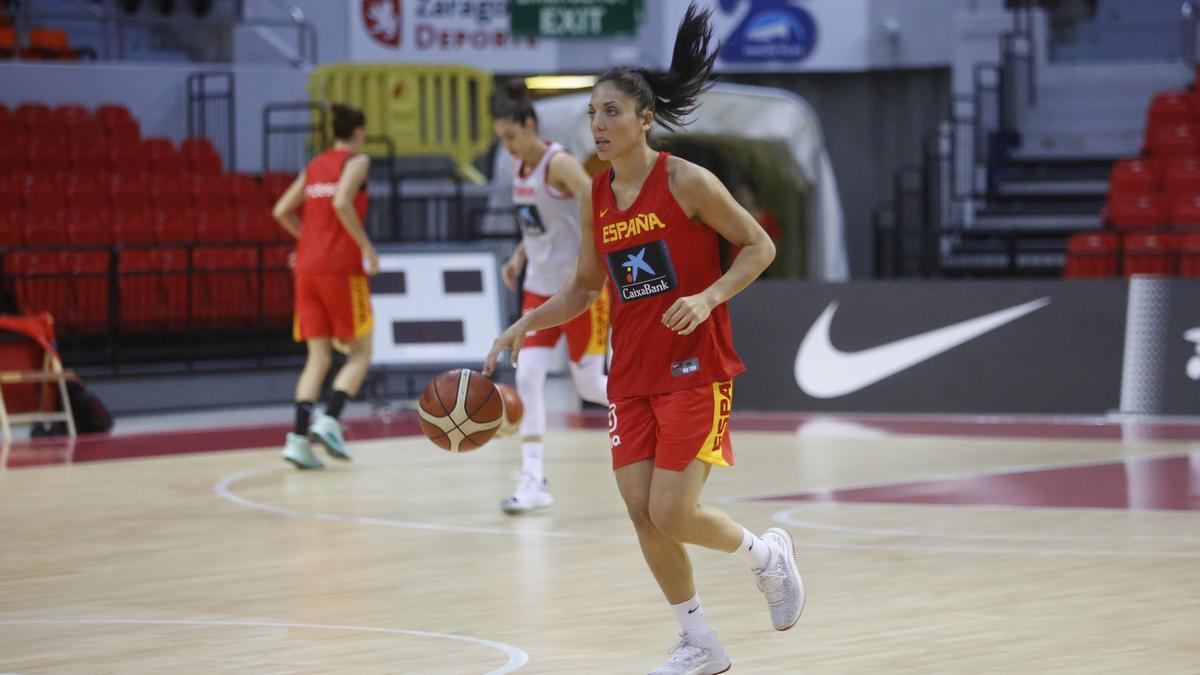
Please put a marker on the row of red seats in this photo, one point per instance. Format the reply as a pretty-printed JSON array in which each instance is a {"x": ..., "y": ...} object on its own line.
[
  {"x": 37, "y": 119},
  {"x": 41, "y": 44},
  {"x": 1149, "y": 209},
  {"x": 66, "y": 153},
  {"x": 139, "y": 190},
  {"x": 228, "y": 289},
  {"x": 1107, "y": 254},
  {"x": 125, "y": 226}
]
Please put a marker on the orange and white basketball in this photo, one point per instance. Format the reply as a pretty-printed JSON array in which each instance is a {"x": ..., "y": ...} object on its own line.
[{"x": 460, "y": 410}]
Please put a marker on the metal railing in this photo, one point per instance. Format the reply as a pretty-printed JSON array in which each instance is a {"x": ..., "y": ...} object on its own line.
[{"x": 211, "y": 112}]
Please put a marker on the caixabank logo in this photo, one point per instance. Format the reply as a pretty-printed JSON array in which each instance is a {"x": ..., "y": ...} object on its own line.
[{"x": 640, "y": 272}]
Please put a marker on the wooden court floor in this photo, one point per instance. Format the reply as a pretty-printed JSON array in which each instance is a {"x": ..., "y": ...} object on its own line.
[{"x": 946, "y": 552}]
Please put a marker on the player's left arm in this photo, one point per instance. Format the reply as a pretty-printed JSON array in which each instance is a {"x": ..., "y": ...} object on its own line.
[
  {"x": 566, "y": 174},
  {"x": 704, "y": 198},
  {"x": 285, "y": 209}
]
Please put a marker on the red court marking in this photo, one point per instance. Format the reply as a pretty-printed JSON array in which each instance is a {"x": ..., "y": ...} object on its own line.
[
  {"x": 1144, "y": 483},
  {"x": 103, "y": 447}
]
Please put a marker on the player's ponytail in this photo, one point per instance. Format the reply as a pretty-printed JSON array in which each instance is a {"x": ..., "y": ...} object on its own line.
[
  {"x": 672, "y": 96},
  {"x": 512, "y": 104}
]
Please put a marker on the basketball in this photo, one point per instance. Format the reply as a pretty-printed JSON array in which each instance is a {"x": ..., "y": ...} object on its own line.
[
  {"x": 513, "y": 410},
  {"x": 460, "y": 410}
]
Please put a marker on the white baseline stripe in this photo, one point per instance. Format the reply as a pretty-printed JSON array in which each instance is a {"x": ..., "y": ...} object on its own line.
[{"x": 517, "y": 658}]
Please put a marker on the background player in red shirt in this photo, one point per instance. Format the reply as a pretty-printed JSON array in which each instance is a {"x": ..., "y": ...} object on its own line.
[
  {"x": 547, "y": 185},
  {"x": 333, "y": 259},
  {"x": 651, "y": 231}
]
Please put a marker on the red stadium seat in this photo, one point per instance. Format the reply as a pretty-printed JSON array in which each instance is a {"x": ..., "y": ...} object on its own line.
[
  {"x": 70, "y": 114},
  {"x": 1147, "y": 253},
  {"x": 129, "y": 226},
  {"x": 31, "y": 115},
  {"x": 86, "y": 227},
  {"x": 41, "y": 227},
  {"x": 1182, "y": 174},
  {"x": 40, "y": 191},
  {"x": 1189, "y": 254},
  {"x": 118, "y": 122},
  {"x": 169, "y": 192},
  {"x": 153, "y": 289},
  {"x": 276, "y": 183},
  {"x": 10, "y": 232},
  {"x": 163, "y": 157},
  {"x": 1091, "y": 255},
  {"x": 87, "y": 287},
  {"x": 88, "y": 157},
  {"x": 38, "y": 283},
  {"x": 1172, "y": 140},
  {"x": 259, "y": 227},
  {"x": 201, "y": 156},
  {"x": 215, "y": 226},
  {"x": 209, "y": 191},
  {"x": 87, "y": 131},
  {"x": 173, "y": 227},
  {"x": 1136, "y": 210},
  {"x": 1168, "y": 109},
  {"x": 1185, "y": 209},
  {"x": 12, "y": 158},
  {"x": 128, "y": 158},
  {"x": 128, "y": 191},
  {"x": 225, "y": 286},
  {"x": 84, "y": 194},
  {"x": 47, "y": 154},
  {"x": 277, "y": 287}
]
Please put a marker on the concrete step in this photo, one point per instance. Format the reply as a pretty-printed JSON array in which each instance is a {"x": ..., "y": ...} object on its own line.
[
  {"x": 1071, "y": 189},
  {"x": 1037, "y": 221}
]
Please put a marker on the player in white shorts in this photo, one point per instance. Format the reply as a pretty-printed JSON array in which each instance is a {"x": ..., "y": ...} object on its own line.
[{"x": 547, "y": 184}]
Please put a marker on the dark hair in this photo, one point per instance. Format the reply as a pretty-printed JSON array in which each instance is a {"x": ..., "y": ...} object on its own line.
[
  {"x": 512, "y": 105},
  {"x": 346, "y": 120},
  {"x": 672, "y": 95}
]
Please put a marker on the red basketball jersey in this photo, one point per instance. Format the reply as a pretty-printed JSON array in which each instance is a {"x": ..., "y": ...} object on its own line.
[
  {"x": 656, "y": 254},
  {"x": 325, "y": 247}
]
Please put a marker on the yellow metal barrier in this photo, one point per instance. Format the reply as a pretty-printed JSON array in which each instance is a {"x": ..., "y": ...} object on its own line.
[{"x": 427, "y": 110}]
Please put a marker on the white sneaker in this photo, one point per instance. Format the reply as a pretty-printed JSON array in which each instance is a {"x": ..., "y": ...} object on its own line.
[
  {"x": 328, "y": 432},
  {"x": 530, "y": 495},
  {"x": 298, "y": 451},
  {"x": 695, "y": 654},
  {"x": 780, "y": 581}
]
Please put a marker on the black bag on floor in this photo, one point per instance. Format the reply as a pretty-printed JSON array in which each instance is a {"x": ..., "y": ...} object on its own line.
[{"x": 88, "y": 410}]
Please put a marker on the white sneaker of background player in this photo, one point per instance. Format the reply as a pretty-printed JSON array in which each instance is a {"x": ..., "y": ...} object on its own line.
[
  {"x": 530, "y": 495},
  {"x": 298, "y": 451},
  {"x": 327, "y": 431},
  {"x": 697, "y": 653},
  {"x": 780, "y": 581}
]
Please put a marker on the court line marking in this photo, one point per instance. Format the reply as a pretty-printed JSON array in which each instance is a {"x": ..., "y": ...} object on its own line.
[
  {"x": 223, "y": 491},
  {"x": 785, "y": 517},
  {"x": 517, "y": 658}
]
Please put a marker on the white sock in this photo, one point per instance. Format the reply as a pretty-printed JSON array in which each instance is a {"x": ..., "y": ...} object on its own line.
[
  {"x": 754, "y": 551},
  {"x": 690, "y": 615},
  {"x": 531, "y": 460}
]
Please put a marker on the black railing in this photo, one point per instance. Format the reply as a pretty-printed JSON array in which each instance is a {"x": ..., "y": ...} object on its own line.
[
  {"x": 282, "y": 123},
  {"x": 210, "y": 112}
]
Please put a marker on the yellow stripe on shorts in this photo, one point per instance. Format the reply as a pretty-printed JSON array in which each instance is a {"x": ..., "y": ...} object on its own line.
[
  {"x": 598, "y": 341},
  {"x": 710, "y": 452},
  {"x": 360, "y": 303}
]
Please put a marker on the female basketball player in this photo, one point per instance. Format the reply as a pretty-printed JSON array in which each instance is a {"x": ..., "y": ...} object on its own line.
[
  {"x": 652, "y": 226},
  {"x": 547, "y": 186},
  {"x": 332, "y": 298}
]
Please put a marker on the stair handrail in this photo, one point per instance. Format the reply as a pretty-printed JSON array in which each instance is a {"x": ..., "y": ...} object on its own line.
[{"x": 1189, "y": 24}]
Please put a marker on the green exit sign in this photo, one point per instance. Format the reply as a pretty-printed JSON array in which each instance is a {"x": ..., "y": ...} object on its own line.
[{"x": 575, "y": 18}]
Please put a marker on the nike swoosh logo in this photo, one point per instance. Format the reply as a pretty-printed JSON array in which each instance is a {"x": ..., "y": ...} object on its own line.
[
  {"x": 693, "y": 609},
  {"x": 824, "y": 371},
  {"x": 602, "y": 212}
]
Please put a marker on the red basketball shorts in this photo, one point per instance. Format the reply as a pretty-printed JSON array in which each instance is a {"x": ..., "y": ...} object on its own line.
[
  {"x": 586, "y": 333},
  {"x": 332, "y": 306},
  {"x": 673, "y": 428}
]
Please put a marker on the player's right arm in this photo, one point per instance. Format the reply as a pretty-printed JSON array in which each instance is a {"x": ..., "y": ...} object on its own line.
[
  {"x": 285, "y": 209},
  {"x": 569, "y": 302},
  {"x": 512, "y": 268}
]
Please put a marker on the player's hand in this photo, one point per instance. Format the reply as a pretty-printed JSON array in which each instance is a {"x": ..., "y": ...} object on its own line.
[
  {"x": 687, "y": 313},
  {"x": 370, "y": 261},
  {"x": 511, "y": 339},
  {"x": 291, "y": 260}
]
